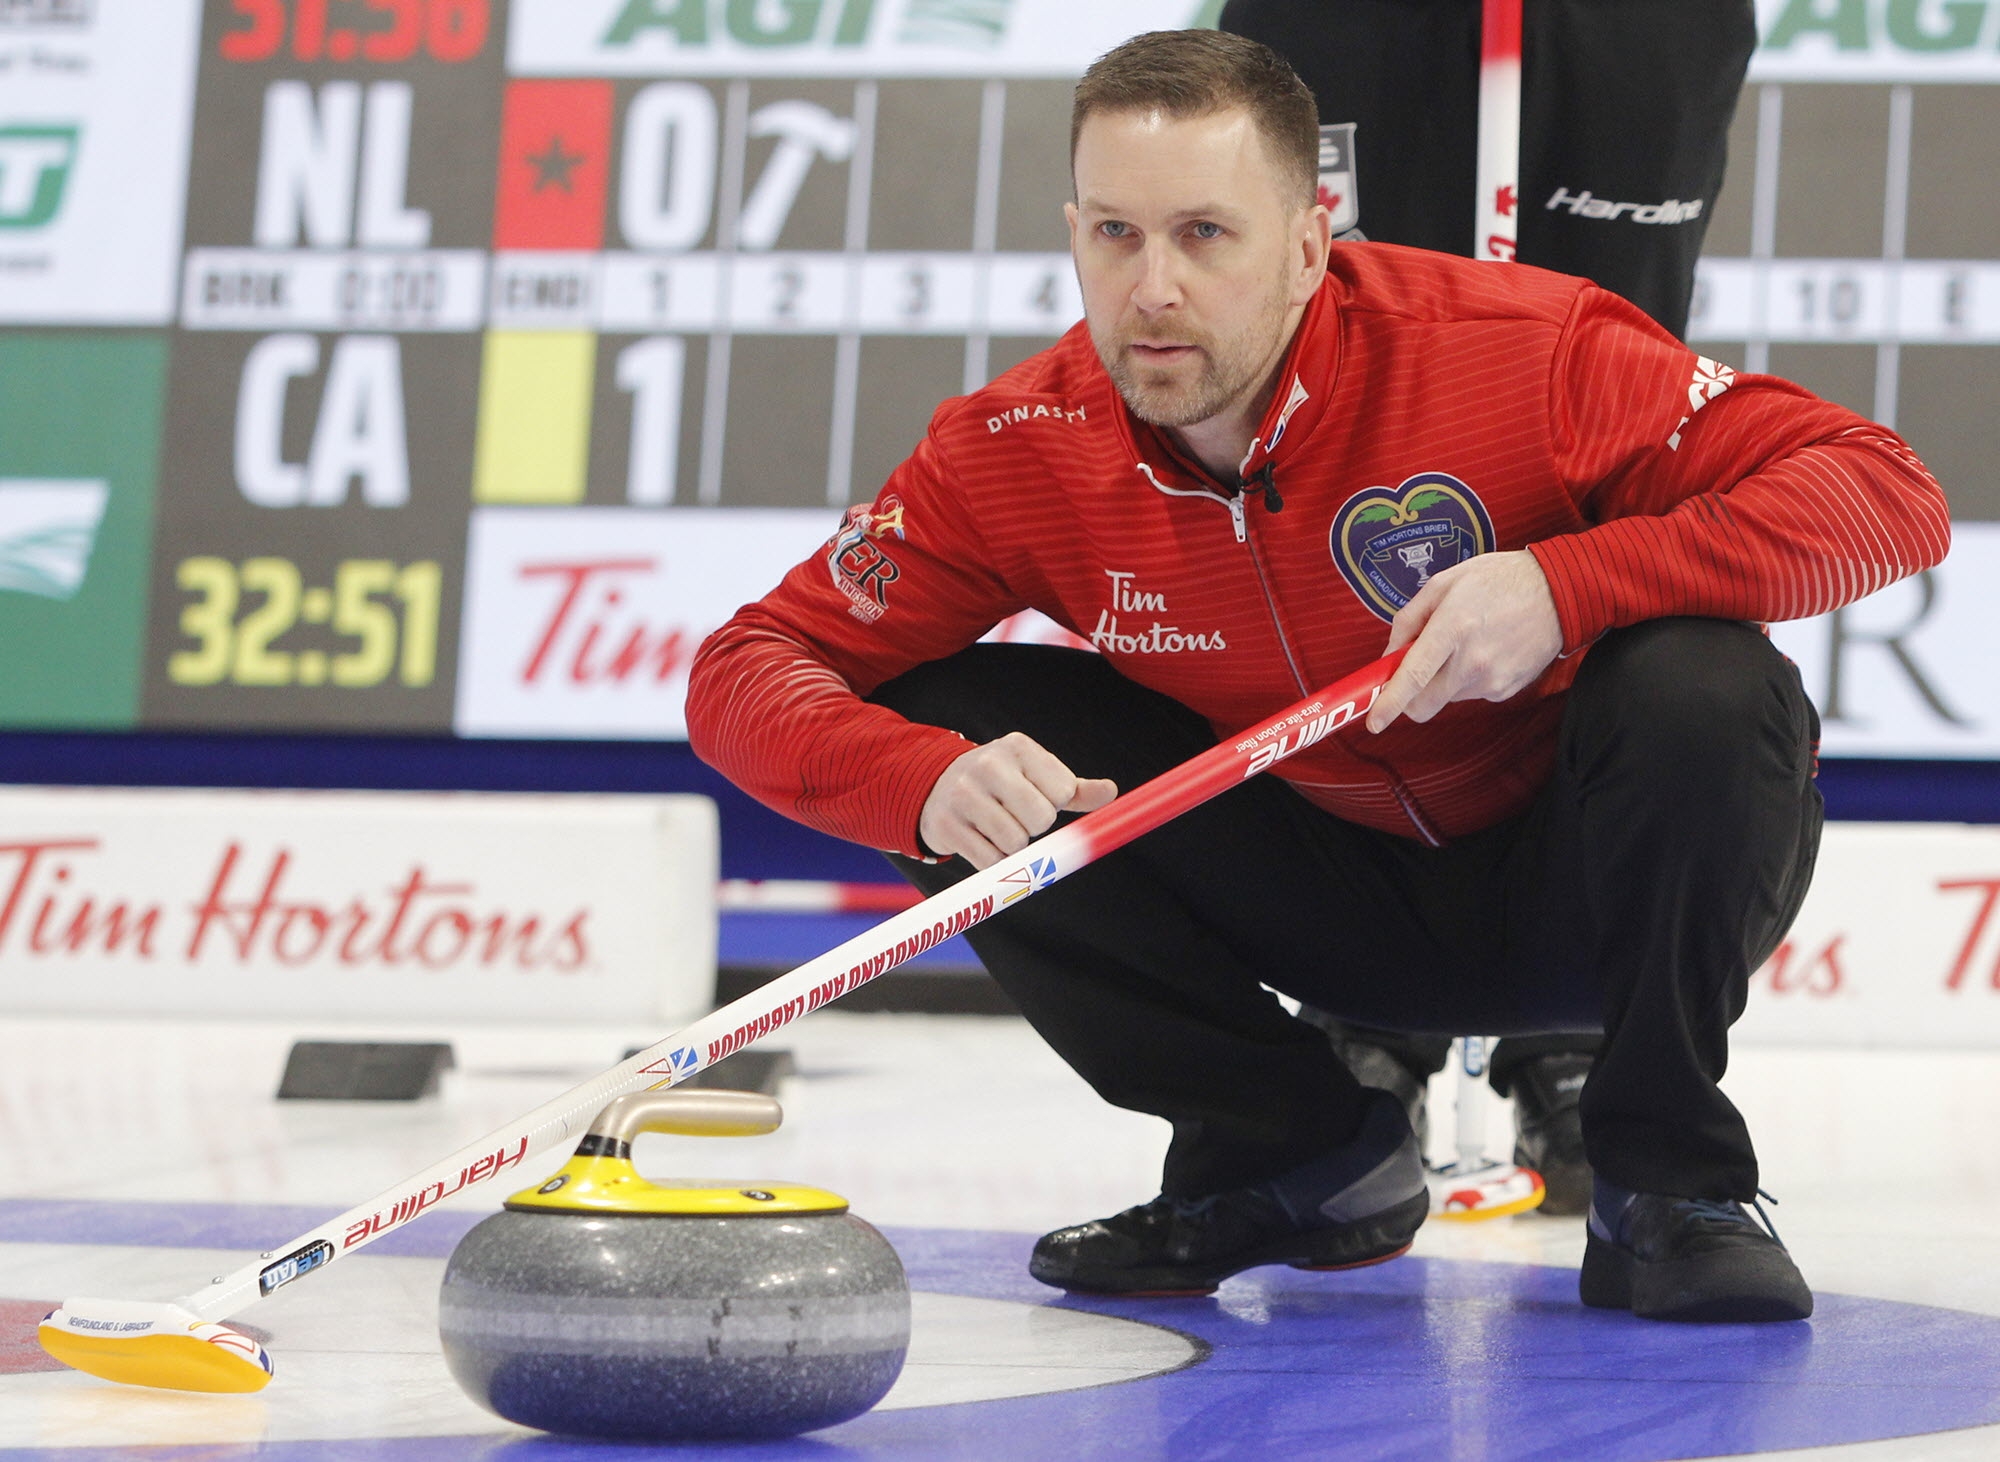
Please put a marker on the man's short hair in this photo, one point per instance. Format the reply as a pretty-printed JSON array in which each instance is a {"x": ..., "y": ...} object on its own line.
[{"x": 1196, "y": 73}]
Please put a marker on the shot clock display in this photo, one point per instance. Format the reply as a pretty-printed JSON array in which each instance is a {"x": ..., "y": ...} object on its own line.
[{"x": 245, "y": 619}]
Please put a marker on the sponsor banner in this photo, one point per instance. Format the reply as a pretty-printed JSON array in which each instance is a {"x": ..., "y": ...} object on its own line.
[
  {"x": 1909, "y": 672},
  {"x": 1025, "y": 38},
  {"x": 96, "y": 104},
  {"x": 582, "y": 622},
  {"x": 1877, "y": 40},
  {"x": 76, "y": 524},
  {"x": 1898, "y": 944},
  {"x": 1802, "y": 40},
  {"x": 374, "y": 906}
]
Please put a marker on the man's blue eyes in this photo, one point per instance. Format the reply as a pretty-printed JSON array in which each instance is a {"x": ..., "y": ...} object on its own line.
[{"x": 1114, "y": 230}]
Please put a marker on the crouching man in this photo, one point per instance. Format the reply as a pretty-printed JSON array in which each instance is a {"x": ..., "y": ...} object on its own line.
[{"x": 1584, "y": 802}]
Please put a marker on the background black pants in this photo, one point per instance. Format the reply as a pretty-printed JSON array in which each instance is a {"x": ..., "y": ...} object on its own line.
[
  {"x": 1628, "y": 100},
  {"x": 1660, "y": 866}
]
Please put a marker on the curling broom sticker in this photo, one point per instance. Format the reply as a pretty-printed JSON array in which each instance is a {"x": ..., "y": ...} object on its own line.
[{"x": 1037, "y": 876}]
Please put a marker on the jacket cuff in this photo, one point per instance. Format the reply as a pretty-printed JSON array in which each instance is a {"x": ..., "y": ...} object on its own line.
[
  {"x": 916, "y": 772},
  {"x": 1576, "y": 575}
]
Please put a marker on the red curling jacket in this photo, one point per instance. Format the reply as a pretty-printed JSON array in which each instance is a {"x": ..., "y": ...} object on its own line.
[{"x": 1429, "y": 408}]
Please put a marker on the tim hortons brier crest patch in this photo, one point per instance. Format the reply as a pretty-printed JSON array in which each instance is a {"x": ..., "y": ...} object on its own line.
[{"x": 1390, "y": 542}]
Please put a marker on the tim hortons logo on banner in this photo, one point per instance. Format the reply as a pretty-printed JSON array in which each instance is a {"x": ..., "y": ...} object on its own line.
[
  {"x": 1796, "y": 970},
  {"x": 1821, "y": 971},
  {"x": 251, "y": 911},
  {"x": 1975, "y": 940},
  {"x": 591, "y": 636}
]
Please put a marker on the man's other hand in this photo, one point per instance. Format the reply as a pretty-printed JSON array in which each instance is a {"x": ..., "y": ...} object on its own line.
[
  {"x": 1484, "y": 629},
  {"x": 996, "y": 797}
]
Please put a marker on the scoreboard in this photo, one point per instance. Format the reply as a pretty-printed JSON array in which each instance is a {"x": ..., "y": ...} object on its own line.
[{"x": 456, "y": 365}]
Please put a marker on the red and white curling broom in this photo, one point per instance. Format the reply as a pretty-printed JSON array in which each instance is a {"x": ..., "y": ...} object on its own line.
[
  {"x": 183, "y": 1345},
  {"x": 1471, "y": 1187},
  {"x": 1474, "y": 1186}
]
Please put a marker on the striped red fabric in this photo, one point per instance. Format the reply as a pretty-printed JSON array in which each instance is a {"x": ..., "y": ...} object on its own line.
[{"x": 1646, "y": 480}]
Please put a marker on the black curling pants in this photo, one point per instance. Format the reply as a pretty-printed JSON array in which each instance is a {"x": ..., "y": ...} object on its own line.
[{"x": 1659, "y": 867}]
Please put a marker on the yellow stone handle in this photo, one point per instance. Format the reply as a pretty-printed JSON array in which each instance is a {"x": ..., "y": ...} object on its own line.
[
  {"x": 600, "y": 1178},
  {"x": 689, "y": 1114}
]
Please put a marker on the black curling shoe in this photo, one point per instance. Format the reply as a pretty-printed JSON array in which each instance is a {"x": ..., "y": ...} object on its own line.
[
  {"x": 1360, "y": 1204},
  {"x": 1668, "y": 1258},
  {"x": 1548, "y": 1128}
]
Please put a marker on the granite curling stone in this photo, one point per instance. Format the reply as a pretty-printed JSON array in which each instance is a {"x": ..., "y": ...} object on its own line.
[{"x": 602, "y": 1305}]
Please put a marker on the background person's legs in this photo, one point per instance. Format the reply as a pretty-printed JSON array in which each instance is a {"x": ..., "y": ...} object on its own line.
[
  {"x": 1627, "y": 101},
  {"x": 1543, "y": 1075}
]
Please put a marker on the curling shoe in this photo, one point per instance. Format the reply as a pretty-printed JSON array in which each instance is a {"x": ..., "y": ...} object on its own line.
[
  {"x": 1668, "y": 1258},
  {"x": 1548, "y": 1129},
  {"x": 1360, "y": 1204}
]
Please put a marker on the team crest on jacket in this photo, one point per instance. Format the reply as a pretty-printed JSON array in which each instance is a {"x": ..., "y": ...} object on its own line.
[
  {"x": 1390, "y": 542},
  {"x": 862, "y": 568}
]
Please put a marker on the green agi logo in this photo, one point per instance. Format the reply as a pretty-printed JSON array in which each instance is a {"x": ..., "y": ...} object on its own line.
[
  {"x": 35, "y": 163},
  {"x": 975, "y": 23}
]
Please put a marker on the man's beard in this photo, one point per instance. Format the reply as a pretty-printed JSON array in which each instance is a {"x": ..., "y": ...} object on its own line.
[{"x": 1227, "y": 369}]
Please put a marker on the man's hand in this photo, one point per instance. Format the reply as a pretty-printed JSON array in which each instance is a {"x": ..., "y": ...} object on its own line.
[
  {"x": 996, "y": 797},
  {"x": 1483, "y": 629}
]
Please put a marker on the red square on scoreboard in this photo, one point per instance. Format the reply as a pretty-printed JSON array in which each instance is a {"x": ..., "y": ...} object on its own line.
[{"x": 555, "y": 151}]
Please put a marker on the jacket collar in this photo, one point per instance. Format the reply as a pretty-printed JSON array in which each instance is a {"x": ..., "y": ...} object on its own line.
[{"x": 1305, "y": 387}]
